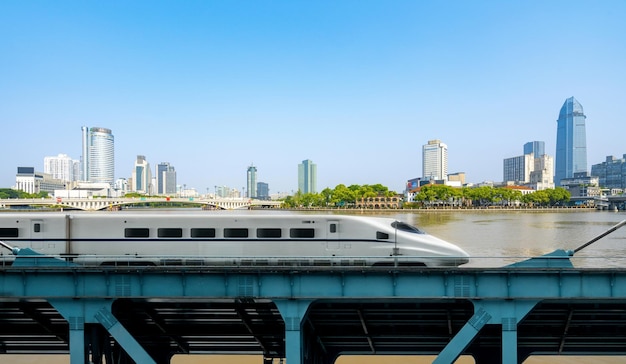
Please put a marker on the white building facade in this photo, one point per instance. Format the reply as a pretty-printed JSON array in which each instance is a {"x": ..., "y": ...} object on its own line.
[
  {"x": 61, "y": 167},
  {"x": 435, "y": 160},
  {"x": 98, "y": 159}
]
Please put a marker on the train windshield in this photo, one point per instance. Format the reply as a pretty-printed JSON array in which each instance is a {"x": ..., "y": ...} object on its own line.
[{"x": 406, "y": 227}]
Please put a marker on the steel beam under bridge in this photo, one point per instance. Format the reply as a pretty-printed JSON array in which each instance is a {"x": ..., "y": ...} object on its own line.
[{"x": 313, "y": 315}]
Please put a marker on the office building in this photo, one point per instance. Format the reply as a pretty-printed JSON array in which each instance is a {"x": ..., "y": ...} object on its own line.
[
  {"x": 30, "y": 181},
  {"x": 571, "y": 141},
  {"x": 262, "y": 191},
  {"x": 611, "y": 173},
  {"x": 165, "y": 179},
  {"x": 536, "y": 148},
  {"x": 251, "y": 184},
  {"x": 542, "y": 175},
  {"x": 307, "y": 177},
  {"x": 98, "y": 157},
  {"x": 62, "y": 167},
  {"x": 532, "y": 169},
  {"x": 142, "y": 176},
  {"x": 435, "y": 160},
  {"x": 517, "y": 169}
]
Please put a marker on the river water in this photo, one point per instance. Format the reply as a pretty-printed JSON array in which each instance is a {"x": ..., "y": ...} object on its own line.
[{"x": 496, "y": 238}]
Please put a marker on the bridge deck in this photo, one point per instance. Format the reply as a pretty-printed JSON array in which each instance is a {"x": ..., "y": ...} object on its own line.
[{"x": 312, "y": 315}]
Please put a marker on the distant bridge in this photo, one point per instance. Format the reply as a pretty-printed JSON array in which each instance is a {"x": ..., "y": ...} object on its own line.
[{"x": 94, "y": 204}]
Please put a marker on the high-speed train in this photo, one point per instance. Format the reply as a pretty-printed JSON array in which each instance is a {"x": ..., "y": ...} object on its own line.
[{"x": 222, "y": 238}]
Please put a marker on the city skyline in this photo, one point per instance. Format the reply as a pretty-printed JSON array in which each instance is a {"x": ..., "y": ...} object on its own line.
[{"x": 356, "y": 87}]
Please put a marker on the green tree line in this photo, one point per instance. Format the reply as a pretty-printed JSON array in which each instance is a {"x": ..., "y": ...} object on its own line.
[
  {"x": 343, "y": 196},
  {"x": 11, "y": 193},
  {"x": 431, "y": 195},
  {"x": 340, "y": 196}
]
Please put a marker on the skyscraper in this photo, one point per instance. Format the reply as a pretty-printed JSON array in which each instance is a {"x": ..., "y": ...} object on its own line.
[
  {"x": 142, "y": 176},
  {"x": 435, "y": 160},
  {"x": 251, "y": 182},
  {"x": 98, "y": 159},
  {"x": 571, "y": 141},
  {"x": 537, "y": 148},
  {"x": 165, "y": 179},
  {"x": 307, "y": 177},
  {"x": 61, "y": 167},
  {"x": 263, "y": 191}
]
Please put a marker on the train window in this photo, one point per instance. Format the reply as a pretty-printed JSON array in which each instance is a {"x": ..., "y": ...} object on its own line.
[
  {"x": 235, "y": 233},
  {"x": 406, "y": 227},
  {"x": 269, "y": 233},
  {"x": 170, "y": 233},
  {"x": 8, "y": 233},
  {"x": 333, "y": 228},
  {"x": 301, "y": 233},
  {"x": 37, "y": 227},
  {"x": 203, "y": 233},
  {"x": 382, "y": 236},
  {"x": 136, "y": 233}
]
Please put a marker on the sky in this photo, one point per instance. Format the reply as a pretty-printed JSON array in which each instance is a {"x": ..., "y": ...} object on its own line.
[{"x": 356, "y": 86}]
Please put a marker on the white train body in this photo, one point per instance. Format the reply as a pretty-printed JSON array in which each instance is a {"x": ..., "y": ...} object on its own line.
[{"x": 223, "y": 238}]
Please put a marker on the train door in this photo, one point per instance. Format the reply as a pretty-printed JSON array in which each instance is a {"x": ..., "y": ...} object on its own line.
[
  {"x": 37, "y": 235},
  {"x": 332, "y": 235}
]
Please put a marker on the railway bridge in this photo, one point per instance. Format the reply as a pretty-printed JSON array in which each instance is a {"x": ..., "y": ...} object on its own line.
[{"x": 126, "y": 314}]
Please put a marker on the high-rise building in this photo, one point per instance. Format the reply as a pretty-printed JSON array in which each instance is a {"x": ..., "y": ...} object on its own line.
[
  {"x": 542, "y": 176},
  {"x": 142, "y": 176},
  {"x": 571, "y": 141},
  {"x": 98, "y": 159},
  {"x": 537, "y": 148},
  {"x": 517, "y": 169},
  {"x": 263, "y": 191},
  {"x": 165, "y": 179},
  {"x": 251, "y": 182},
  {"x": 611, "y": 173},
  {"x": 532, "y": 169},
  {"x": 435, "y": 160},
  {"x": 307, "y": 177},
  {"x": 61, "y": 167}
]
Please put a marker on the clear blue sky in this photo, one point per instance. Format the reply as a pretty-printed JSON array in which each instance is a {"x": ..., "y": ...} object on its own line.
[{"x": 356, "y": 86}]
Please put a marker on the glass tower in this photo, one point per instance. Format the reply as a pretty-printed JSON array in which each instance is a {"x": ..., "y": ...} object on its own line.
[
  {"x": 251, "y": 182},
  {"x": 98, "y": 155},
  {"x": 165, "y": 179},
  {"x": 537, "y": 148},
  {"x": 571, "y": 141},
  {"x": 307, "y": 177}
]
